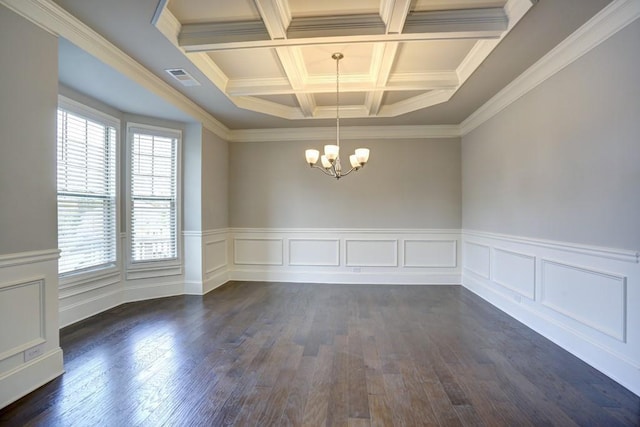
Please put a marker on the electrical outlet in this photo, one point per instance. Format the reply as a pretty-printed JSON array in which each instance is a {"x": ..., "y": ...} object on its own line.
[{"x": 33, "y": 352}]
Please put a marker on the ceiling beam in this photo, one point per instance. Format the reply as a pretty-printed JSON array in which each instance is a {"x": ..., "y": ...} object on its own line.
[
  {"x": 276, "y": 17},
  {"x": 395, "y": 82},
  {"x": 394, "y": 13},
  {"x": 382, "y": 62},
  {"x": 293, "y": 65},
  {"x": 489, "y": 19},
  {"x": 438, "y": 25}
]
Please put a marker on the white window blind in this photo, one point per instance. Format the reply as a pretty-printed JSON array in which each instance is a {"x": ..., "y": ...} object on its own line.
[
  {"x": 153, "y": 196},
  {"x": 86, "y": 193}
]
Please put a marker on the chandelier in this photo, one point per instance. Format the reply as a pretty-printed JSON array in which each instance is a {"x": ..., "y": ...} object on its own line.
[{"x": 330, "y": 160}]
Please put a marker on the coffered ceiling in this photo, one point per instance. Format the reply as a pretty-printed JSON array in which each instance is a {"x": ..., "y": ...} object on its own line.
[
  {"x": 261, "y": 65},
  {"x": 400, "y": 56}
]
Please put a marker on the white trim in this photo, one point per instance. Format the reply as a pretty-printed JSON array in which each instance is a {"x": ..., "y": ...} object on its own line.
[
  {"x": 333, "y": 263},
  {"x": 412, "y": 231},
  {"x": 413, "y": 240},
  {"x": 30, "y": 376},
  {"x": 88, "y": 307},
  {"x": 210, "y": 270},
  {"x": 86, "y": 112},
  {"x": 31, "y": 257},
  {"x": 530, "y": 295},
  {"x": 153, "y": 291},
  {"x": 609, "y": 21},
  {"x": 621, "y": 334},
  {"x": 346, "y": 133},
  {"x": 596, "y": 251},
  {"x": 346, "y": 278},
  {"x": 89, "y": 285},
  {"x": 38, "y": 281},
  {"x": 349, "y": 263}
]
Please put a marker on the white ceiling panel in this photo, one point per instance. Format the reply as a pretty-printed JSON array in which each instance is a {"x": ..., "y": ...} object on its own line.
[
  {"x": 264, "y": 63},
  {"x": 434, "y": 55},
  {"x": 304, "y": 8}
]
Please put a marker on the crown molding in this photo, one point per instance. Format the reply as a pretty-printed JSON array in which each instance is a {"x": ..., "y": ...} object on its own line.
[
  {"x": 57, "y": 21},
  {"x": 606, "y": 23},
  {"x": 346, "y": 133}
]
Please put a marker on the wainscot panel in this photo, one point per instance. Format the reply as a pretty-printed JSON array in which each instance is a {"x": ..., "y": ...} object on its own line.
[
  {"x": 584, "y": 298},
  {"x": 346, "y": 255},
  {"x": 30, "y": 353}
]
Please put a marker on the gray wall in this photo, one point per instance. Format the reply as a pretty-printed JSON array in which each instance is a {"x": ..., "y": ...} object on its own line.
[
  {"x": 28, "y": 101},
  {"x": 205, "y": 187},
  {"x": 563, "y": 162},
  {"x": 192, "y": 180},
  {"x": 215, "y": 181},
  {"x": 407, "y": 184}
]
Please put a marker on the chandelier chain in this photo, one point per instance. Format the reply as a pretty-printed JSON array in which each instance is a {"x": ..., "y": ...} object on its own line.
[{"x": 338, "y": 99}]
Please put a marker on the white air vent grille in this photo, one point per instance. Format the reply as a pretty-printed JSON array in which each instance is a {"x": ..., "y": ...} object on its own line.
[{"x": 183, "y": 77}]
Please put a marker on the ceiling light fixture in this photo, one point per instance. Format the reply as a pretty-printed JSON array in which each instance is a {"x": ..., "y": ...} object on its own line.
[{"x": 331, "y": 158}]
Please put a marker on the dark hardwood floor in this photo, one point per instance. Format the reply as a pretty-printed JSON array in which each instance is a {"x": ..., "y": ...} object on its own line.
[{"x": 307, "y": 354}]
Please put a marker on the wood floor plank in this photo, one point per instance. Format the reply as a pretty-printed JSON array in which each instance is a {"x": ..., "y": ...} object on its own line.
[
  {"x": 286, "y": 354},
  {"x": 315, "y": 409}
]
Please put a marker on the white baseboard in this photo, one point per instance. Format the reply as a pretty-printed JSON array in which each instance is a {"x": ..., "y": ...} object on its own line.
[
  {"x": 154, "y": 290},
  {"x": 90, "y": 307},
  {"x": 30, "y": 376},
  {"x": 199, "y": 288},
  {"x": 382, "y": 278}
]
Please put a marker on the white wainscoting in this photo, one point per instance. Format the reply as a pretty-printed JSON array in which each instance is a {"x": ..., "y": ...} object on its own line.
[
  {"x": 30, "y": 353},
  {"x": 431, "y": 253},
  {"x": 583, "y": 298},
  {"x": 376, "y": 256},
  {"x": 314, "y": 252},
  {"x": 85, "y": 295},
  {"x": 257, "y": 251},
  {"x": 206, "y": 261}
]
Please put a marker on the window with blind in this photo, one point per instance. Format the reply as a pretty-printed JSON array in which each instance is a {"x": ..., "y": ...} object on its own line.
[
  {"x": 153, "y": 195},
  {"x": 87, "y": 205}
]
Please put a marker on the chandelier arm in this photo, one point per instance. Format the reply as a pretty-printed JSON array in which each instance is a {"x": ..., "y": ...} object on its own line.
[
  {"x": 351, "y": 170},
  {"x": 325, "y": 171}
]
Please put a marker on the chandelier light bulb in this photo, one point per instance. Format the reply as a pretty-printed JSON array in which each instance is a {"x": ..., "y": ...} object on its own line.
[
  {"x": 332, "y": 152},
  {"x": 363, "y": 155},
  {"x": 325, "y": 162},
  {"x": 312, "y": 156}
]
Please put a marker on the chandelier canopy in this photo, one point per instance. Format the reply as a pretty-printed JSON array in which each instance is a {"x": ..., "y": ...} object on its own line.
[{"x": 330, "y": 160}]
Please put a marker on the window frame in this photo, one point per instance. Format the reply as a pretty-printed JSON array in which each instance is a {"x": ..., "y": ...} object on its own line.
[
  {"x": 84, "y": 111},
  {"x": 162, "y": 267}
]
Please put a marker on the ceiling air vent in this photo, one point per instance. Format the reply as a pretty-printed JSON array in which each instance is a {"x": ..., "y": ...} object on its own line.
[{"x": 183, "y": 77}]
